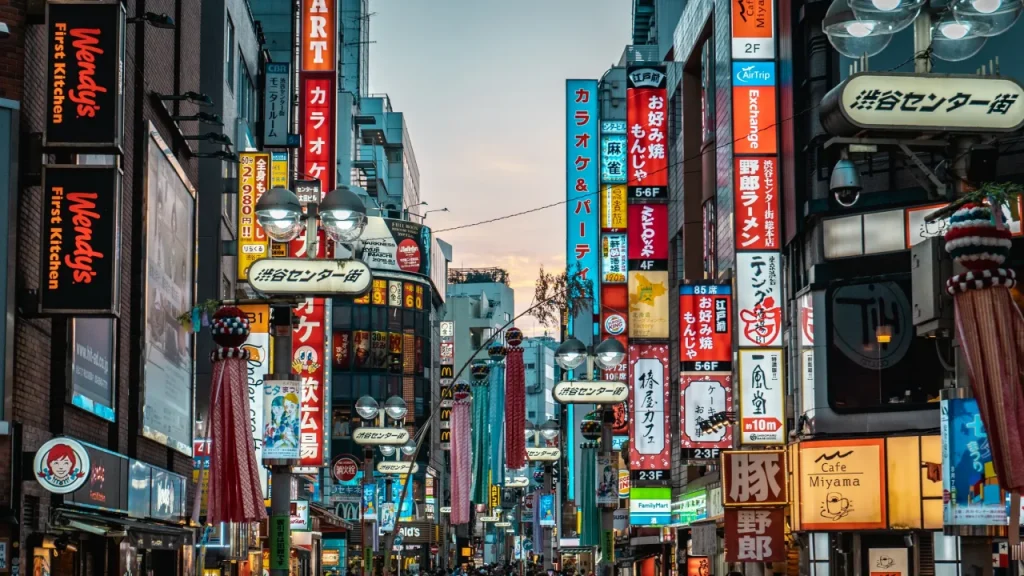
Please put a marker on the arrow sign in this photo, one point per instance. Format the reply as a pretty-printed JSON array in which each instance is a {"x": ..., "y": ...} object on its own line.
[
  {"x": 398, "y": 467},
  {"x": 306, "y": 277},
  {"x": 380, "y": 436},
  {"x": 590, "y": 392}
]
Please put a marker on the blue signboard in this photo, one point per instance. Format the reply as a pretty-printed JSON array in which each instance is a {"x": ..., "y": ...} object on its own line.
[
  {"x": 613, "y": 159},
  {"x": 968, "y": 477},
  {"x": 369, "y": 502},
  {"x": 753, "y": 73},
  {"x": 582, "y": 155},
  {"x": 546, "y": 509}
]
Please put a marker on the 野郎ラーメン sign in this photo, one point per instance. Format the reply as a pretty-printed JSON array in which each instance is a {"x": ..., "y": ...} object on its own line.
[
  {"x": 705, "y": 327},
  {"x": 757, "y": 203},
  {"x": 753, "y": 30},
  {"x": 613, "y": 208},
  {"x": 582, "y": 153},
  {"x": 755, "y": 535},
  {"x": 762, "y": 388},
  {"x": 614, "y": 265},
  {"x": 888, "y": 101},
  {"x": 842, "y": 485},
  {"x": 754, "y": 478},
  {"x": 80, "y": 272},
  {"x": 613, "y": 159},
  {"x": 318, "y": 36},
  {"x": 380, "y": 436},
  {"x": 61, "y": 465},
  {"x": 590, "y": 392},
  {"x": 253, "y": 181},
  {"x": 646, "y": 132},
  {"x": 759, "y": 298},
  {"x": 704, "y": 402},
  {"x": 277, "y": 104},
  {"x": 85, "y": 82},
  {"x": 649, "y": 447},
  {"x": 305, "y": 276}
]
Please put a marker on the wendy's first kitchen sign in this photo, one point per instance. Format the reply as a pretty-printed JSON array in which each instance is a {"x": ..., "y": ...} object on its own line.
[
  {"x": 85, "y": 75},
  {"x": 79, "y": 271}
]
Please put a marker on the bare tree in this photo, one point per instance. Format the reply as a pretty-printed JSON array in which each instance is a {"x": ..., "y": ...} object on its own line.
[{"x": 560, "y": 293}]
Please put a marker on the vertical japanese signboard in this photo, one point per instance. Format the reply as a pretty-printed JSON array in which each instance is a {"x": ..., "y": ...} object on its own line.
[
  {"x": 754, "y": 492},
  {"x": 757, "y": 203},
  {"x": 447, "y": 376},
  {"x": 753, "y": 30},
  {"x": 649, "y": 434},
  {"x": 755, "y": 535},
  {"x": 762, "y": 396},
  {"x": 759, "y": 298},
  {"x": 704, "y": 402},
  {"x": 647, "y": 129},
  {"x": 309, "y": 356},
  {"x": 277, "y": 103},
  {"x": 705, "y": 327},
  {"x": 582, "y": 149},
  {"x": 253, "y": 181}
]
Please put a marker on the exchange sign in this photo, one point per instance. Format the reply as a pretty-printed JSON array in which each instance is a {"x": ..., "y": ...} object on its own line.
[
  {"x": 590, "y": 392},
  {"x": 307, "y": 277}
]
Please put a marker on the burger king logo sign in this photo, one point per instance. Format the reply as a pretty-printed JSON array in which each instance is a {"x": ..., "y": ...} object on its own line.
[
  {"x": 614, "y": 324},
  {"x": 61, "y": 465}
]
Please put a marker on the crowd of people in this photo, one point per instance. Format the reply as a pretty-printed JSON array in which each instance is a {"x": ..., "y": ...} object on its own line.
[{"x": 512, "y": 569}]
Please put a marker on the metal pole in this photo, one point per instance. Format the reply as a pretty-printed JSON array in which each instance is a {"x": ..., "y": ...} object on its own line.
[
  {"x": 281, "y": 471},
  {"x": 519, "y": 529},
  {"x": 607, "y": 513},
  {"x": 367, "y": 525},
  {"x": 549, "y": 546}
]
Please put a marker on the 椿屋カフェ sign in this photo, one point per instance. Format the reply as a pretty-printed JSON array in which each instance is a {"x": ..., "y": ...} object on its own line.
[
  {"x": 84, "y": 75},
  {"x": 80, "y": 271},
  {"x": 303, "y": 276},
  {"x": 923, "y": 102}
]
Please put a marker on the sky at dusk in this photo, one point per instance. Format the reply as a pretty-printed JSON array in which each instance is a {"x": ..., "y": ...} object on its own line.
[{"x": 482, "y": 86}]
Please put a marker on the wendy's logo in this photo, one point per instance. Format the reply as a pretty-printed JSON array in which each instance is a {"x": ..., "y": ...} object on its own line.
[{"x": 61, "y": 465}]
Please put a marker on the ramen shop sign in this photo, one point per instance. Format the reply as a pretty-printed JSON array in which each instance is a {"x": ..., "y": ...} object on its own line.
[
  {"x": 85, "y": 68},
  {"x": 80, "y": 271}
]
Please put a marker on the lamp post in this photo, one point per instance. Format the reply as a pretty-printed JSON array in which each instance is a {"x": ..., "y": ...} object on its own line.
[
  {"x": 280, "y": 214},
  {"x": 549, "y": 431},
  {"x": 606, "y": 355}
]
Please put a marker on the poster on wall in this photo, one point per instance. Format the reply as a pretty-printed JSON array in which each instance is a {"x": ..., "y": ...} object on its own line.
[
  {"x": 649, "y": 435},
  {"x": 647, "y": 122},
  {"x": 582, "y": 180},
  {"x": 705, "y": 327},
  {"x": 167, "y": 414},
  {"x": 759, "y": 298},
  {"x": 762, "y": 389},
  {"x": 92, "y": 346},
  {"x": 842, "y": 485},
  {"x": 80, "y": 272},
  {"x": 648, "y": 304},
  {"x": 281, "y": 420},
  {"x": 704, "y": 401}
]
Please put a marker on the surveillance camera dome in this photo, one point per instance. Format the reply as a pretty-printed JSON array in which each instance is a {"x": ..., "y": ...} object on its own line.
[
  {"x": 845, "y": 182},
  {"x": 847, "y": 197}
]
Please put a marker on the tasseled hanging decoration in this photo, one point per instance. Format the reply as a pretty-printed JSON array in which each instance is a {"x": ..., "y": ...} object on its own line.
[
  {"x": 591, "y": 524},
  {"x": 515, "y": 402},
  {"x": 495, "y": 438},
  {"x": 481, "y": 401},
  {"x": 462, "y": 455},
  {"x": 235, "y": 494}
]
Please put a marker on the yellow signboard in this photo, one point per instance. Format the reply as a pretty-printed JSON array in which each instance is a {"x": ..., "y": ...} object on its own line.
[
  {"x": 279, "y": 170},
  {"x": 648, "y": 303},
  {"x": 613, "y": 207},
  {"x": 495, "y": 496},
  {"x": 253, "y": 181},
  {"x": 842, "y": 485}
]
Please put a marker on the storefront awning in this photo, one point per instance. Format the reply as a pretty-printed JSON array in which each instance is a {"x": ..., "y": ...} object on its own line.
[
  {"x": 147, "y": 535},
  {"x": 329, "y": 518},
  {"x": 576, "y": 549}
]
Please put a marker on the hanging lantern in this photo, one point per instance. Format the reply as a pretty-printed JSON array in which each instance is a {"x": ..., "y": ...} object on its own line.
[
  {"x": 514, "y": 336},
  {"x": 480, "y": 371},
  {"x": 590, "y": 427},
  {"x": 461, "y": 387},
  {"x": 496, "y": 351}
]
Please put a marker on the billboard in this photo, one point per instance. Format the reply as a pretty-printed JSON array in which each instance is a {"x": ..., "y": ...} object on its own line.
[
  {"x": 648, "y": 304},
  {"x": 705, "y": 327},
  {"x": 258, "y": 366},
  {"x": 759, "y": 298},
  {"x": 582, "y": 160},
  {"x": 762, "y": 389},
  {"x": 757, "y": 203},
  {"x": 649, "y": 434},
  {"x": 614, "y": 265},
  {"x": 842, "y": 485},
  {"x": 396, "y": 245},
  {"x": 647, "y": 122},
  {"x": 281, "y": 433},
  {"x": 648, "y": 232},
  {"x": 969, "y": 480},
  {"x": 253, "y": 181}
]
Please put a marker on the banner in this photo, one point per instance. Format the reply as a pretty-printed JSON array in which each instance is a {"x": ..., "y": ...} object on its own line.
[
  {"x": 973, "y": 495},
  {"x": 649, "y": 435},
  {"x": 369, "y": 501},
  {"x": 607, "y": 480},
  {"x": 80, "y": 272},
  {"x": 253, "y": 181},
  {"x": 281, "y": 430},
  {"x": 258, "y": 366},
  {"x": 582, "y": 181}
]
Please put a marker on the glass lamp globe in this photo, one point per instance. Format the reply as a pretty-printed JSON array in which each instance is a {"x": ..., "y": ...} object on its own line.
[
  {"x": 549, "y": 430},
  {"x": 367, "y": 408},
  {"x": 343, "y": 215},
  {"x": 609, "y": 353},
  {"x": 387, "y": 451},
  {"x": 409, "y": 448},
  {"x": 853, "y": 37},
  {"x": 954, "y": 40},
  {"x": 891, "y": 15},
  {"x": 280, "y": 214},
  {"x": 988, "y": 17},
  {"x": 570, "y": 354},
  {"x": 395, "y": 408},
  {"x": 529, "y": 429}
]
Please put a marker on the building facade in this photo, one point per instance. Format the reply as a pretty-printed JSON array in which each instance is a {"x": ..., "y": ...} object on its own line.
[
  {"x": 539, "y": 362},
  {"x": 481, "y": 303}
]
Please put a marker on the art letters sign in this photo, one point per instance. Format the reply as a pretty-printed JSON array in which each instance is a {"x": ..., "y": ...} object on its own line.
[
  {"x": 891, "y": 101},
  {"x": 762, "y": 396},
  {"x": 754, "y": 478},
  {"x": 318, "y": 36},
  {"x": 80, "y": 271},
  {"x": 304, "y": 276},
  {"x": 755, "y": 535},
  {"x": 85, "y": 83},
  {"x": 649, "y": 447},
  {"x": 647, "y": 128}
]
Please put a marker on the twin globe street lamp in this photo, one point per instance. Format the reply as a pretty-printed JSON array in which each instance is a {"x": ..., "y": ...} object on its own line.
[{"x": 341, "y": 213}]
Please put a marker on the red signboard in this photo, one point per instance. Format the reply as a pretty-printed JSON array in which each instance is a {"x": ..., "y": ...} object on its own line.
[
  {"x": 754, "y": 478},
  {"x": 647, "y": 232},
  {"x": 317, "y": 154},
  {"x": 309, "y": 344},
  {"x": 755, "y": 535},
  {"x": 647, "y": 115},
  {"x": 649, "y": 444},
  {"x": 757, "y": 203},
  {"x": 754, "y": 118},
  {"x": 319, "y": 37},
  {"x": 705, "y": 327}
]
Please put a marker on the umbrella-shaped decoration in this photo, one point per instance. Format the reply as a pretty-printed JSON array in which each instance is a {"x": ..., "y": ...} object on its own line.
[
  {"x": 991, "y": 332},
  {"x": 462, "y": 455},
  {"x": 515, "y": 401},
  {"x": 235, "y": 494}
]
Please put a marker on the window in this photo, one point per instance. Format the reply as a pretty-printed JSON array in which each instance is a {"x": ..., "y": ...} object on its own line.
[
  {"x": 818, "y": 554},
  {"x": 229, "y": 54},
  {"x": 947, "y": 555},
  {"x": 531, "y": 414},
  {"x": 531, "y": 366},
  {"x": 246, "y": 93}
]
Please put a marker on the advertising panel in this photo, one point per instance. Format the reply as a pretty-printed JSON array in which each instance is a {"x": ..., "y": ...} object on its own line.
[
  {"x": 92, "y": 365},
  {"x": 257, "y": 367},
  {"x": 396, "y": 245},
  {"x": 969, "y": 480},
  {"x": 754, "y": 119},
  {"x": 614, "y": 265},
  {"x": 613, "y": 159},
  {"x": 753, "y": 30},
  {"x": 277, "y": 103},
  {"x": 318, "y": 41},
  {"x": 705, "y": 327},
  {"x": 692, "y": 507},
  {"x": 759, "y": 298},
  {"x": 309, "y": 354},
  {"x": 167, "y": 415},
  {"x": 704, "y": 401},
  {"x": 613, "y": 208},
  {"x": 299, "y": 515},
  {"x": 842, "y": 485},
  {"x": 757, "y": 203},
  {"x": 649, "y": 447},
  {"x": 755, "y": 535},
  {"x": 647, "y": 124},
  {"x": 106, "y": 487},
  {"x": 253, "y": 181},
  {"x": 546, "y": 509},
  {"x": 754, "y": 478},
  {"x": 762, "y": 396},
  {"x": 281, "y": 431},
  {"x": 316, "y": 120},
  {"x": 85, "y": 75},
  {"x": 167, "y": 496},
  {"x": 648, "y": 304},
  {"x": 80, "y": 272},
  {"x": 581, "y": 155},
  {"x": 650, "y": 506},
  {"x": 648, "y": 232},
  {"x": 279, "y": 170},
  {"x": 607, "y": 480}
]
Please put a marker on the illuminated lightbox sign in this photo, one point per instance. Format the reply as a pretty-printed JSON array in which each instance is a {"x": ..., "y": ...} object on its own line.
[{"x": 590, "y": 392}]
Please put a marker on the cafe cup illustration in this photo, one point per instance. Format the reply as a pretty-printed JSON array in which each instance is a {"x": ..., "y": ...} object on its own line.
[{"x": 835, "y": 506}]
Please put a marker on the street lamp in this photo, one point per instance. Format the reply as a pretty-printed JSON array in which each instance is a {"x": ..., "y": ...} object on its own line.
[
  {"x": 343, "y": 215},
  {"x": 367, "y": 408},
  {"x": 609, "y": 354},
  {"x": 279, "y": 212},
  {"x": 396, "y": 408},
  {"x": 387, "y": 451},
  {"x": 571, "y": 354},
  {"x": 409, "y": 448},
  {"x": 550, "y": 429},
  {"x": 529, "y": 430}
]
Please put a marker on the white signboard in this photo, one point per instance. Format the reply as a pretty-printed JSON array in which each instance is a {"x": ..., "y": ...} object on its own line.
[
  {"x": 543, "y": 454},
  {"x": 277, "y": 102},
  {"x": 701, "y": 400},
  {"x": 380, "y": 436},
  {"x": 648, "y": 400},
  {"x": 446, "y": 509},
  {"x": 490, "y": 519},
  {"x": 888, "y": 561},
  {"x": 762, "y": 396},
  {"x": 932, "y": 102},
  {"x": 306, "y": 277},
  {"x": 590, "y": 392},
  {"x": 759, "y": 298},
  {"x": 447, "y": 329},
  {"x": 502, "y": 524},
  {"x": 917, "y": 230},
  {"x": 519, "y": 482},
  {"x": 397, "y": 467},
  {"x": 394, "y": 293}
]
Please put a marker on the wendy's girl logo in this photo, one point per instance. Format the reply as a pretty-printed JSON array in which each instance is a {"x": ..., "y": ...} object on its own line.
[{"x": 61, "y": 465}]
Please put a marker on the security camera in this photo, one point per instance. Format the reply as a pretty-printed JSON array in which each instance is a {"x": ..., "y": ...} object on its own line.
[
  {"x": 845, "y": 181},
  {"x": 5, "y": 31},
  {"x": 846, "y": 197}
]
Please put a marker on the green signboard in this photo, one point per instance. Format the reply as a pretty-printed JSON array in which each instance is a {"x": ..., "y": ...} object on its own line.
[{"x": 280, "y": 542}]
